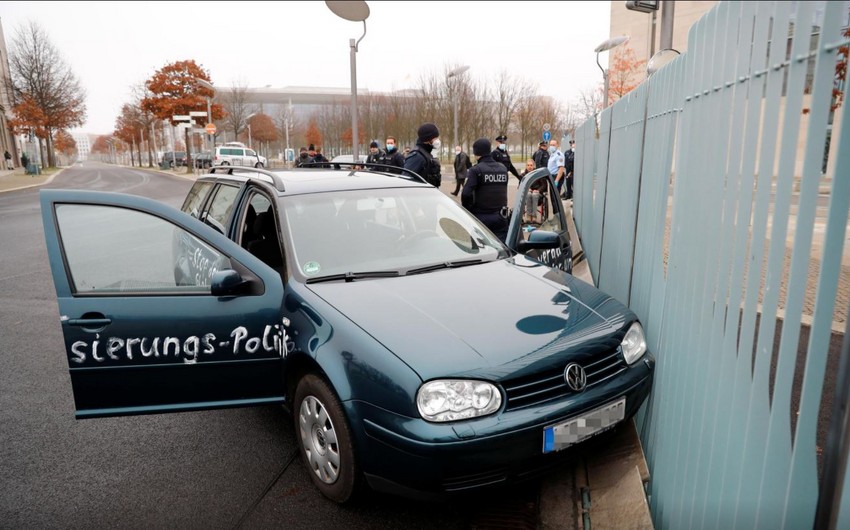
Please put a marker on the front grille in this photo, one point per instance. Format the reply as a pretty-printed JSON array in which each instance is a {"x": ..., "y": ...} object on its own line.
[{"x": 543, "y": 387}]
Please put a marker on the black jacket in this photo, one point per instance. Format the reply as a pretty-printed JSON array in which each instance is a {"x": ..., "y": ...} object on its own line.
[
  {"x": 569, "y": 161},
  {"x": 420, "y": 160},
  {"x": 462, "y": 165},
  {"x": 486, "y": 188},
  {"x": 505, "y": 159},
  {"x": 541, "y": 158},
  {"x": 376, "y": 157},
  {"x": 393, "y": 158}
]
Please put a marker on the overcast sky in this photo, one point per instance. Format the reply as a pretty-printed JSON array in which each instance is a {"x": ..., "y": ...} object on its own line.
[{"x": 113, "y": 45}]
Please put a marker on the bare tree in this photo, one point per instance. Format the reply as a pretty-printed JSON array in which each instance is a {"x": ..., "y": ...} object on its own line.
[
  {"x": 48, "y": 96},
  {"x": 525, "y": 118},
  {"x": 589, "y": 102},
  {"x": 507, "y": 93},
  {"x": 285, "y": 122},
  {"x": 236, "y": 107}
]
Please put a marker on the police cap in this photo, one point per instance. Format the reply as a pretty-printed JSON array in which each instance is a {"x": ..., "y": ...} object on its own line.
[{"x": 501, "y": 138}]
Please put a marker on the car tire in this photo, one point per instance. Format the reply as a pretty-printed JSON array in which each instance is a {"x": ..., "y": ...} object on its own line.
[
  {"x": 325, "y": 439},
  {"x": 225, "y": 163},
  {"x": 259, "y": 165}
]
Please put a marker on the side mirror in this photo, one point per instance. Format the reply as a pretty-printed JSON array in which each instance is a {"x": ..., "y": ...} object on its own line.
[
  {"x": 539, "y": 239},
  {"x": 227, "y": 283}
]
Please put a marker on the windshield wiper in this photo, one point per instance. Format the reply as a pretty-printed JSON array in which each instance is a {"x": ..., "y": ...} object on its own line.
[
  {"x": 445, "y": 265},
  {"x": 351, "y": 276}
]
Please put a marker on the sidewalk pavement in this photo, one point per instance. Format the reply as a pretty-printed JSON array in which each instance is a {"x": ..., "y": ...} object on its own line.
[{"x": 17, "y": 179}]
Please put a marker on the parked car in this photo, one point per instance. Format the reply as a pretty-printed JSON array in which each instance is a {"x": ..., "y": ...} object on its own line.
[
  {"x": 236, "y": 154},
  {"x": 202, "y": 160},
  {"x": 170, "y": 158},
  {"x": 412, "y": 347}
]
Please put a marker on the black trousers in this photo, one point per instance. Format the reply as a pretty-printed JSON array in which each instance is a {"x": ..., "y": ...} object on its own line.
[{"x": 458, "y": 185}]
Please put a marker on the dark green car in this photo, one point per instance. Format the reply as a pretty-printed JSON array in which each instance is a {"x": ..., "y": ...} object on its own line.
[{"x": 414, "y": 349}]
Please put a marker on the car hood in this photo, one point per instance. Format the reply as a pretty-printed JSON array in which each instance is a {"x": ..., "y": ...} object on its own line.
[{"x": 495, "y": 320}]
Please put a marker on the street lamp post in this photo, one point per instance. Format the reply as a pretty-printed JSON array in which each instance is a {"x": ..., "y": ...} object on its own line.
[
  {"x": 248, "y": 123},
  {"x": 609, "y": 44},
  {"x": 356, "y": 11},
  {"x": 206, "y": 84},
  {"x": 454, "y": 73}
]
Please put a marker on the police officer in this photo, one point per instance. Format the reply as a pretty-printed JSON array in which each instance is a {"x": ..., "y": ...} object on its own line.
[
  {"x": 420, "y": 159},
  {"x": 375, "y": 154},
  {"x": 392, "y": 157},
  {"x": 500, "y": 154},
  {"x": 485, "y": 193}
]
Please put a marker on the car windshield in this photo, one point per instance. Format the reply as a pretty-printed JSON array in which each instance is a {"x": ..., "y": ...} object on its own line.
[{"x": 399, "y": 229}]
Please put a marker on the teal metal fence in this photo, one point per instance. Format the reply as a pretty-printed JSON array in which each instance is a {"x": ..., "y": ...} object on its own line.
[{"x": 702, "y": 203}]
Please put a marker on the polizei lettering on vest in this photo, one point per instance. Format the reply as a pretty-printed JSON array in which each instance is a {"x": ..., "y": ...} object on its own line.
[{"x": 495, "y": 178}]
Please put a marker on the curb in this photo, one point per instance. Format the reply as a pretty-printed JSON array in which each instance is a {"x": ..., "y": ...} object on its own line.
[{"x": 48, "y": 181}]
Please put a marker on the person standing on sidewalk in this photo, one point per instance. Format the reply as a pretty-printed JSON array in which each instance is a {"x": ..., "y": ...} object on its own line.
[
  {"x": 569, "y": 164},
  {"x": 375, "y": 154},
  {"x": 462, "y": 165},
  {"x": 420, "y": 158},
  {"x": 556, "y": 164},
  {"x": 391, "y": 156},
  {"x": 500, "y": 154},
  {"x": 485, "y": 193},
  {"x": 8, "y": 156},
  {"x": 541, "y": 156}
]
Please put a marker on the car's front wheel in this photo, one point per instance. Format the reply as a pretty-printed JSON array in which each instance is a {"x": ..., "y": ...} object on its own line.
[
  {"x": 259, "y": 165},
  {"x": 325, "y": 439}
]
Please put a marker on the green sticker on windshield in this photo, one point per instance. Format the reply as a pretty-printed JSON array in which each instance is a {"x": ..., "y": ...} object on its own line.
[{"x": 311, "y": 267}]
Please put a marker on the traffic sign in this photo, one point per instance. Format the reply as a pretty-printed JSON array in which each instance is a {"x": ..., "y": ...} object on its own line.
[
  {"x": 546, "y": 127},
  {"x": 197, "y": 113},
  {"x": 547, "y": 135},
  {"x": 210, "y": 128},
  {"x": 182, "y": 117}
]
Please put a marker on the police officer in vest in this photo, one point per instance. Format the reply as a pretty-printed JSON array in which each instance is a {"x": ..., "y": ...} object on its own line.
[
  {"x": 500, "y": 154},
  {"x": 485, "y": 193},
  {"x": 420, "y": 159}
]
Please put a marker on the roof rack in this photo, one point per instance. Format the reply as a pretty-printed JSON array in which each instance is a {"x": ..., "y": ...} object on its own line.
[
  {"x": 273, "y": 178},
  {"x": 408, "y": 174}
]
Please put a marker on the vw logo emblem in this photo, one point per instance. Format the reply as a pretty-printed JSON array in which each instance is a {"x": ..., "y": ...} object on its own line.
[{"x": 575, "y": 377}]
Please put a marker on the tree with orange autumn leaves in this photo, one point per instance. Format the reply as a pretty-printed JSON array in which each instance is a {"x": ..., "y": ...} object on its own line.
[
  {"x": 174, "y": 90},
  {"x": 48, "y": 97},
  {"x": 263, "y": 128},
  {"x": 625, "y": 73},
  {"x": 65, "y": 143},
  {"x": 313, "y": 135}
]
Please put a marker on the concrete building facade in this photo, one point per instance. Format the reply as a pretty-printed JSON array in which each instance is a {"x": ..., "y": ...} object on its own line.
[{"x": 7, "y": 137}]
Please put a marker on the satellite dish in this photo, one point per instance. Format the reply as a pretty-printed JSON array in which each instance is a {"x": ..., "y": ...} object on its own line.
[{"x": 357, "y": 11}]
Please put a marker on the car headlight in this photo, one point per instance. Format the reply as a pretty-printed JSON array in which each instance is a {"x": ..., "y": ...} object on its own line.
[
  {"x": 457, "y": 399},
  {"x": 634, "y": 344}
]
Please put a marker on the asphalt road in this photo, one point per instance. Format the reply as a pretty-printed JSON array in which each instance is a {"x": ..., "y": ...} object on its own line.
[{"x": 216, "y": 469}]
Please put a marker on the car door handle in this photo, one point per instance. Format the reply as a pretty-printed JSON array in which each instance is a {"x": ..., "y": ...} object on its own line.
[{"x": 90, "y": 322}]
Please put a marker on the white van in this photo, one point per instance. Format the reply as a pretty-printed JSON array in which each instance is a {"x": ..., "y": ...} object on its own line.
[{"x": 236, "y": 154}]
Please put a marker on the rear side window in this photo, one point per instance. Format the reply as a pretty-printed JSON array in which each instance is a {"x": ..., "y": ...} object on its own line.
[
  {"x": 195, "y": 199},
  {"x": 221, "y": 206}
]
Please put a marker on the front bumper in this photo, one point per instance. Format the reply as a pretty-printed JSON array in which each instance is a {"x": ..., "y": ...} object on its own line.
[{"x": 414, "y": 458}]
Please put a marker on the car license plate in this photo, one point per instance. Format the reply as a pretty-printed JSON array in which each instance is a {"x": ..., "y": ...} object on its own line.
[{"x": 563, "y": 435}]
